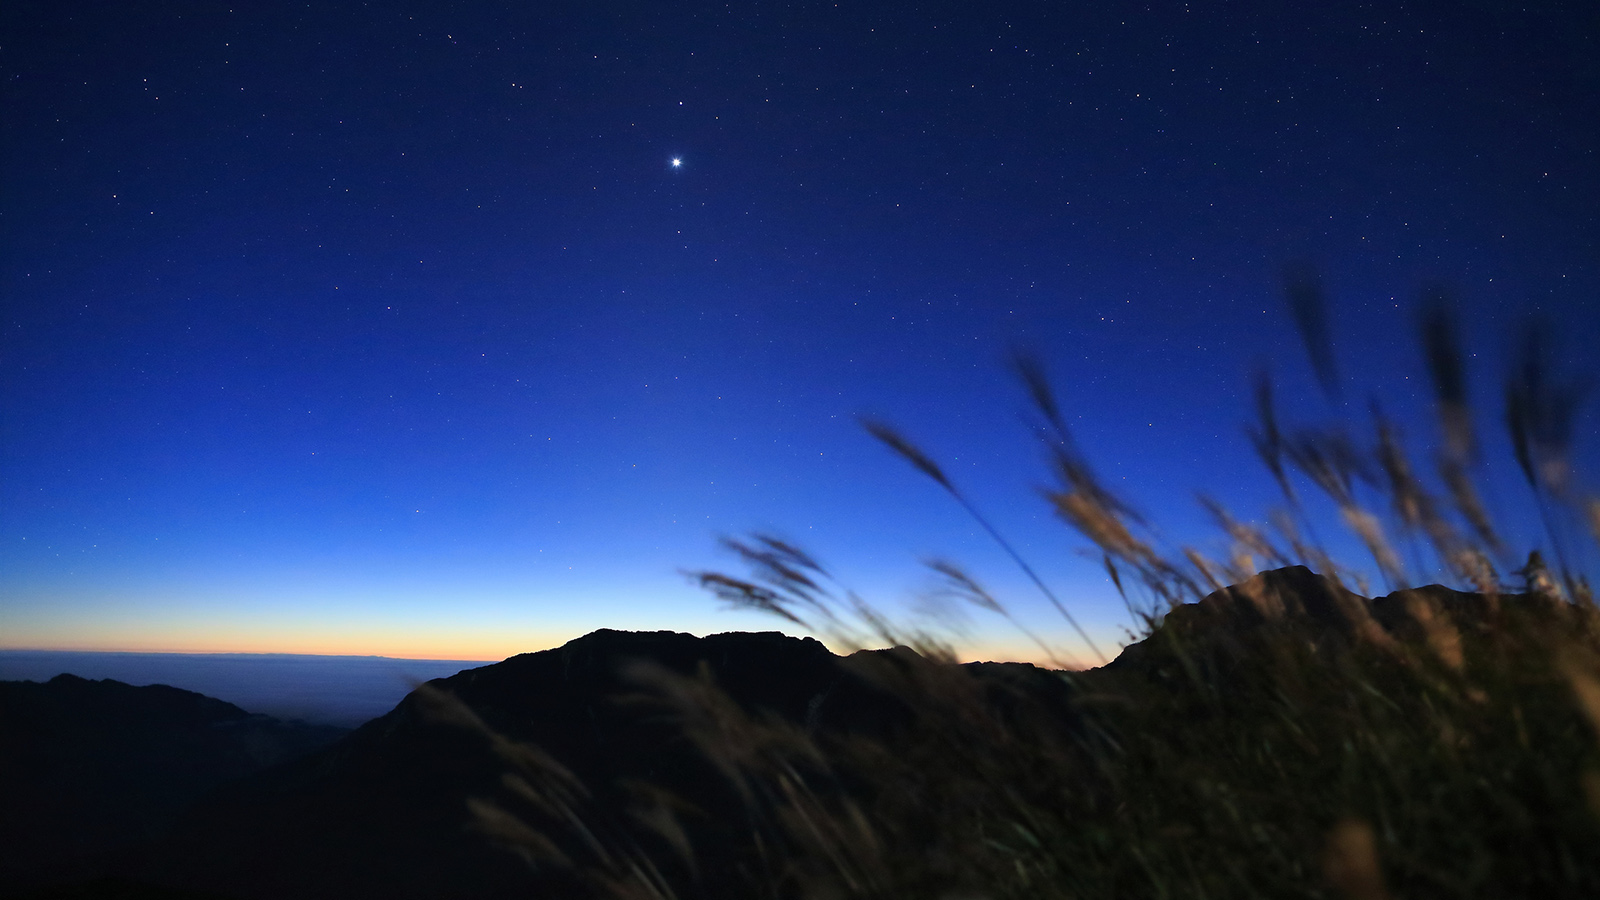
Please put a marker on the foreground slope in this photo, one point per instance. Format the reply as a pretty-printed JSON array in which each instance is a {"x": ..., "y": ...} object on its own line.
[
  {"x": 1219, "y": 753},
  {"x": 88, "y": 768},
  {"x": 383, "y": 812}
]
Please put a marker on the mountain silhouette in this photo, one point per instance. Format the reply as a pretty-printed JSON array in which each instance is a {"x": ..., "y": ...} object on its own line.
[
  {"x": 89, "y": 769},
  {"x": 383, "y": 812}
]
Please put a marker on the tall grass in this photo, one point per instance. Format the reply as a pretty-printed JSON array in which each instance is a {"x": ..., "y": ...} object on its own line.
[{"x": 1274, "y": 734}]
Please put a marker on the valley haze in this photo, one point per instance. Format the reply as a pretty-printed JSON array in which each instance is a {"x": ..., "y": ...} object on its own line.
[{"x": 330, "y": 690}]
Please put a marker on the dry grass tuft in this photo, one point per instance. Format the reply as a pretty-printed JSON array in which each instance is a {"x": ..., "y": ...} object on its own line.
[{"x": 1273, "y": 735}]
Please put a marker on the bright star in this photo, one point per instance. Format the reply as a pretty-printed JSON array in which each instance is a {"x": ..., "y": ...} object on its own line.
[{"x": 677, "y": 163}]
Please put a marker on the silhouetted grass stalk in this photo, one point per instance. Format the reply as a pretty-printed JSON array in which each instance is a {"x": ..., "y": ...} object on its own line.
[{"x": 1286, "y": 737}]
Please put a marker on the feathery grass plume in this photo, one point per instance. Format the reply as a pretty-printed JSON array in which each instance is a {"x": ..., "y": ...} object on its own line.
[
  {"x": 1276, "y": 736},
  {"x": 1268, "y": 439},
  {"x": 661, "y": 813},
  {"x": 1330, "y": 459},
  {"x": 1368, "y": 527},
  {"x": 1413, "y": 505},
  {"x": 1031, "y": 371},
  {"x": 739, "y": 593},
  {"x": 739, "y": 744},
  {"x": 957, "y": 583},
  {"x": 1441, "y": 346},
  {"x": 1417, "y": 509},
  {"x": 1246, "y": 538},
  {"x": 1141, "y": 616},
  {"x": 1097, "y": 513},
  {"x": 1098, "y": 523},
  {"x": 864, "y": 842},
  {"x": 1443, "y": 638},
  {"x": 792, "y": 585},
  {"x": 897, "y": 442},
  {"x": 1309, "y": 305},
  {"x": 1303, "y": 551},
  {"x": 1539, "y": 416},
  {"x": 1205, "y": 567},
  {"x": 1459, "y": 451},
  {"x": 1465, "y": 495},
  {"x": 1540, "y": 412},
  {"x": 614, "y": 864},
  {"x": 1293, "y": 749},
  {"x": 1070, "y": 464},
  {"x": 890, "y": 437}
]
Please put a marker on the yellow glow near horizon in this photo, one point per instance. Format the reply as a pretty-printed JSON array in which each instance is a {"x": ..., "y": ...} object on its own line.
[
  {"x": 399, "y": 629},
  {"x": 398, "y": 644}
]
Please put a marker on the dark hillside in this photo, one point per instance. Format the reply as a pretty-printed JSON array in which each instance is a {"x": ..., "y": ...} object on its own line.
[
  {"x": 1227, "y": 745},
  {"x": 88, "y": 768},
  {"x": 383, "y": 813}
]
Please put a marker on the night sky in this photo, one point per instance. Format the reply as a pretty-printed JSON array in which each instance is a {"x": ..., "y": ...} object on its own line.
[{"x": 393, "y": 328}]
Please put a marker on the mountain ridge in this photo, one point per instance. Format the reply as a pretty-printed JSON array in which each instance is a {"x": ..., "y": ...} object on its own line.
[
  {"x": 89, "y": 767},
  {"x": 383, "y": 810}
]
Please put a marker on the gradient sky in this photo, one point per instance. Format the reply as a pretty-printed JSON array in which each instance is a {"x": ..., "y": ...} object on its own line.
[{"x": 390, "y": 328}]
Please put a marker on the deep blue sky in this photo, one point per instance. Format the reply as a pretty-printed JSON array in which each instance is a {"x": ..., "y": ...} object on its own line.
[{"x": 390, "y": 328}]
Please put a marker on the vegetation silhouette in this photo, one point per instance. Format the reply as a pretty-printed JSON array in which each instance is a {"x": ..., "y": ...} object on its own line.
[{"x": 1273, "y": 733}]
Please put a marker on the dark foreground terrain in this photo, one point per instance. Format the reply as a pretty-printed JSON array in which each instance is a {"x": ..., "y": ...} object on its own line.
[
  {"x": 1227, "y": 739},
  {"x": 91, "y": 771}
]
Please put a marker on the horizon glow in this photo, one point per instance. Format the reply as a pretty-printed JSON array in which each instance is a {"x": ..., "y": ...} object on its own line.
[{"x": 415, "y": 348}]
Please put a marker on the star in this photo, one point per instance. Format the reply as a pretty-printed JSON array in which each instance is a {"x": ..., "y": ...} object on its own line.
[{"x": 677, "y": 163}]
